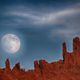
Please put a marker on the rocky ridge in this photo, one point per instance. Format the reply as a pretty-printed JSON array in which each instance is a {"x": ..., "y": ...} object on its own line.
[{"x": 66, "y": 69}]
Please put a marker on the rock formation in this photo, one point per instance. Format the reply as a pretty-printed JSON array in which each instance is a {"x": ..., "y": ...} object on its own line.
[{"x": 66, "y": 69}]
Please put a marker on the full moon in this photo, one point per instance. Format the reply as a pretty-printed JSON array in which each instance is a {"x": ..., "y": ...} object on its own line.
[{"x": 10, "y": 43}]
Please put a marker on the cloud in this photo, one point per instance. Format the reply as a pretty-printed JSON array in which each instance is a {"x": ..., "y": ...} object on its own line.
[
  {"x": 65, "y": 33},
  {"x": 69, "y": 28},
  {"x": 56, "y": 16},
  {"x": 68, "y": 19},
  {"x": 35, "y": 17}
]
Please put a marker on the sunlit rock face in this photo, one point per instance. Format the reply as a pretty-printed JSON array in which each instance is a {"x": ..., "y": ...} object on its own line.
[{"x": 66, "y": 69}]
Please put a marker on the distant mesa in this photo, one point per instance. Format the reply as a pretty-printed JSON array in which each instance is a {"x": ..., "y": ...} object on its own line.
[{"x": 66, "y": 69}]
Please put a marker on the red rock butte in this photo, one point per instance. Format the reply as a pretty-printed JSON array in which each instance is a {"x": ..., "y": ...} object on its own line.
[{"x": 66, "y": 69}]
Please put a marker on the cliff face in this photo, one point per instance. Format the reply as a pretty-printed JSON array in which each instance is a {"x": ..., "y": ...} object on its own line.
[{"x": 66, "y": 69}]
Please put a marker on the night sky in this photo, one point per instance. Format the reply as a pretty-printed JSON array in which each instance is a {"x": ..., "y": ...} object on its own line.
[{"x": 41, "y": 25}]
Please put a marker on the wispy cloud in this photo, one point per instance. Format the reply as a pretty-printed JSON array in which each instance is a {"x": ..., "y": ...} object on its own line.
[
  {"x": 69, "y": 17},
  {"x": 42, "y": 18},
  {"x": 56, "y": 17}
]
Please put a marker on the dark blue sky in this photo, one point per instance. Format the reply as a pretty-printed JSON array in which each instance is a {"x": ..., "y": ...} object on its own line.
[{"x": 41, "y": 25}]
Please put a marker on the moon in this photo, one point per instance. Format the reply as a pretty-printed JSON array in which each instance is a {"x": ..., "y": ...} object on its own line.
[{"x": 10, "y": 43}]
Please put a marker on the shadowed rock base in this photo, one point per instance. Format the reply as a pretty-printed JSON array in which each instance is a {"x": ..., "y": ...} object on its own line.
[{"x": 66, "y": 69}]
